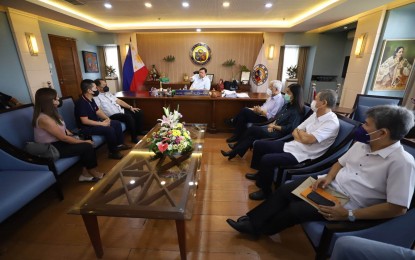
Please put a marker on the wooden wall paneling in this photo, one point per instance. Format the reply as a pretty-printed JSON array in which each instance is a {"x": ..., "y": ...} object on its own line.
[{"x": 242, "y": 47}]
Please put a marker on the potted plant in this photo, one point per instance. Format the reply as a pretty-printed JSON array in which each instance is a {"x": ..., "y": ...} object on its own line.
[
  {"x": 169, "y": 58},
  {"x": 110, "y": 70},
  {"x": 229, "y": 63},
  {"x": 292, "y": 72}
]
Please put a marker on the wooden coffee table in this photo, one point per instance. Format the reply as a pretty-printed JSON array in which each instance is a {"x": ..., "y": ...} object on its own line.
[{"x": 140, "y": 186}]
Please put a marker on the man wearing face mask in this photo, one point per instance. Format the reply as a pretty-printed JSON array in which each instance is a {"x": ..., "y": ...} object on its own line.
[
  {"x": 312, "y": 138},
  {"x": 93, "y": 121},
  {"x": 119, "y": 110},
  {"x": 257, "y": 114},
  {"x": 378, "y": 178}
]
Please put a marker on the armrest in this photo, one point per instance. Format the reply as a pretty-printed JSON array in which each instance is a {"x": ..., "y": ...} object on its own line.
[
  {"x": 24, "y": 160},
  {"x": 269, "y": 121}
]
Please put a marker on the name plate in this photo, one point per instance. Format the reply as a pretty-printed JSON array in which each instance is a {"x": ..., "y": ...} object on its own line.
[{"x": 188, "y": 92}]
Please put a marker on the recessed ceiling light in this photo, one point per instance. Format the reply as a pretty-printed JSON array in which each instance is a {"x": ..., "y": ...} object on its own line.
[
  {"x": 108, "y": 5},
  {"x": 148, "y": 5},
  {"x": 225, "y": 4},
  {"x": 185, "y": 4},
  {"x": 268, "y": 5},
  {"x": 345, "y": 27},
  {"x": 198, "y": 30}
]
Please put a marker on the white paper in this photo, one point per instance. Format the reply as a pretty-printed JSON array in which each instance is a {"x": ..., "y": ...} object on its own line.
[{"x": 242, "y": 95}]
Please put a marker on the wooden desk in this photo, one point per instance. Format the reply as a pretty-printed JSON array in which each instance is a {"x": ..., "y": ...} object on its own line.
[{"x": 195, "y": 109}]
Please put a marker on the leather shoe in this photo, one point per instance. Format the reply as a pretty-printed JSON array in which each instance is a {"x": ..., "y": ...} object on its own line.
[
  {"x": 243, "y": 218},
  {"x": 232, "y": 139},
  {"x": 115, "y": 155},
  {"x": 251, "y": 176},
  {"x": 242, "y": 226},
  {"x": 121, "y": 147},
  {"x": 257, "y": 195},
  {"x": 231, "y": 145},
  {"x": 229, "y": 154}
]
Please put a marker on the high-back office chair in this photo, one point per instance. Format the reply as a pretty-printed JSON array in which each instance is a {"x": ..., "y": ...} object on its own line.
[
  {"x": 398, "y": 231},
  {"x": 364, "y": 102},
  {"x": 341, "y": 144}
]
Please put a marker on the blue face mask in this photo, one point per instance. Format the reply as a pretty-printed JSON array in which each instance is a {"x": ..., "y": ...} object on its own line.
[{"x": 361, "y": 135}]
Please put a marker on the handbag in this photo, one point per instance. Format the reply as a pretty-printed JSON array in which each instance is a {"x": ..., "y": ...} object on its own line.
[{"x": 43, "y": 150}]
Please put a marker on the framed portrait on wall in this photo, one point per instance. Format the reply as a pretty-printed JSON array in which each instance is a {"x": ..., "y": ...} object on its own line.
[
  {"x": 396, "y": 64},
  {"x": 90, "y": 62}
]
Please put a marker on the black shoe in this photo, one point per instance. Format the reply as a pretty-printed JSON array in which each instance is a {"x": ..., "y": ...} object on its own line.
[
  {"x": 232, "y": 139},
  {"x": 251, "y": 176},
  {"x": 244, "y": 226},
  {"x": 135, "y": 140},
  {"x": 229, "y": 154},
  {"x": 115, "y": 155},
  {"x": 229, "y": 122},
  {"x": 121, "y": 147},
  {"x": 257, "y": 195},
  {"x": 242, "y": 218},
  {"x": 231, "y": 145}
]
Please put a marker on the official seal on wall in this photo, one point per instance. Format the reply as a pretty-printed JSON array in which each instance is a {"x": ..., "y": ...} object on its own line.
[
  {"x": 260, "y": 74},
  {"x": 200, "y": 53}
]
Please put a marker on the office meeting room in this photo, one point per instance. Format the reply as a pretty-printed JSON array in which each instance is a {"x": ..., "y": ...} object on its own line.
[{"x": 207, "y": 129}]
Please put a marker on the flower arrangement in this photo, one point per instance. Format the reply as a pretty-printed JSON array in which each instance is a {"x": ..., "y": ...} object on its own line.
[{"x": 172, "y": 137}]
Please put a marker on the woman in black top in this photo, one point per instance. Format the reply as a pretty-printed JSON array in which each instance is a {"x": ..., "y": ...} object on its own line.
[{"x": 286, "y": 121}]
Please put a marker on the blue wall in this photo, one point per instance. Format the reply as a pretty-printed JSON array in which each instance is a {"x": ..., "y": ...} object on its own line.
[
  {"x": 12, "y": 80},
  {"x": 85, "y": 41},
  {"x": 399, "y": 24}
]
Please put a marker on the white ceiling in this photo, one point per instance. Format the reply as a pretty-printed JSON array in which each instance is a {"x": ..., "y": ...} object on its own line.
[{"x": 210, "y": 15}]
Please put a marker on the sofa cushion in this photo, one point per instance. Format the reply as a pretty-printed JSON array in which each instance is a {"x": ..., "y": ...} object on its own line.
[
  {"x": 16, "y": 126},
  {"x": 20, "y": 187}
]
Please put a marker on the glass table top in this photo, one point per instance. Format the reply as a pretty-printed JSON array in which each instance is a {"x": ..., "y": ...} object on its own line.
[{"x": 147, "y": 186}]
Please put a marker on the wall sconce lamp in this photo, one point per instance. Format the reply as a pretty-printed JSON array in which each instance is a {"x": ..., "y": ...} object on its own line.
[
  {"x": 271, "y": 49},
  {"x": 127, "y": 47},
  {"x": 32, "y": 44},
  {"x": 360, "y": 45}
]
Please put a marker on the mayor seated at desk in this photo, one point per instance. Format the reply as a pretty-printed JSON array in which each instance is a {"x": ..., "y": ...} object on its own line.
[{"x": 201, "y": 82}]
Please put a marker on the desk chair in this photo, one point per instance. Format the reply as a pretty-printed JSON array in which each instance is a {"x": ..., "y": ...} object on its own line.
[{"x": 364, "y": 102}]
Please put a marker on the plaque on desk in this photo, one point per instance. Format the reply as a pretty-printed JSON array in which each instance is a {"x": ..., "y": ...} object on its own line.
[{"x": 188, "y": 92}]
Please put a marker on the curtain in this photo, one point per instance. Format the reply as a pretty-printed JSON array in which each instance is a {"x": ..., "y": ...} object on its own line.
[
  {"x": 280, "y": 63},
  {"x": 103, "y": 62},
  {"x": 302, "y": 65}
]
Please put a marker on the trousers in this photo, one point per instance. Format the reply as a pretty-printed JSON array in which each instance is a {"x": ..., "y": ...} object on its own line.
[
  {"x": 133, "y": 121},
  {"x": 112, "y": 133},
  {"x": 84, "y": 150},
  {"x": 267, "y": 156},
  {"x": 245, "y": 116},
  {"x": 282, "y": 210}
]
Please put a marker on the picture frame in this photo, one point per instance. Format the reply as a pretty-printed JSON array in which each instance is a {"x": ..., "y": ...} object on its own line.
[
  {"x": 90, "y": 62},
  {"x": 396, "y": 65},
  {"x": 245, "y": 75},
  {"x": 210, "y": 76}
]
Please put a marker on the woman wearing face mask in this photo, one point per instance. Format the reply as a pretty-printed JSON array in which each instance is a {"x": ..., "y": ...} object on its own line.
[
  {"x": 257, "y": 114},
  {"x": 312, "y": 138},
  {"x": 116, "y": 109},
  {"x": 49, "y": 127},
  {"x": 94, "y": 122},
  {"x": 286, "y": 120}
]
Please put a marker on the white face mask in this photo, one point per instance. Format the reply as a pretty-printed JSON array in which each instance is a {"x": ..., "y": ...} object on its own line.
[
  {"x": 313, "y": 106},
  {"x": 269, "y": 92}
]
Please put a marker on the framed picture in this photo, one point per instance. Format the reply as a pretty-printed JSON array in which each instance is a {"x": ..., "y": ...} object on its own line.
[
  {"x": 210, "y": 76},
  {"x": 90, "y": 62},
  {"x": 200, "y": 53},
  {"x": 245, "y": 77},
  {"x": 395, "y": 66}
]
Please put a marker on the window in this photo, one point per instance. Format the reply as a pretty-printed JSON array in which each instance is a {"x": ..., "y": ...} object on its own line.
[
  {"x": 290, "y": 59},
  {"x": 111, "y": 58}
]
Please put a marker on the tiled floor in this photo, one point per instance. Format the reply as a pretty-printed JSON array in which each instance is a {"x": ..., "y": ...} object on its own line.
[{"x": 43, "y": 230}]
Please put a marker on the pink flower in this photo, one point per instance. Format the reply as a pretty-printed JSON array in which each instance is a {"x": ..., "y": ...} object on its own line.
[{"x": 163, "y": 147}]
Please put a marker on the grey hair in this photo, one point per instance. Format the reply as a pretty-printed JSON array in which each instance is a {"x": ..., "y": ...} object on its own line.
[
  {"x": 276, "y": 84},
  {"x": 330, "y": 96},
  {"x": 398, "y": 120}
]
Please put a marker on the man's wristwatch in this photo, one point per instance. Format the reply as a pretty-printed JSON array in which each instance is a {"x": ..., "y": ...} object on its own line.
[{"x": 351, "y": 216}]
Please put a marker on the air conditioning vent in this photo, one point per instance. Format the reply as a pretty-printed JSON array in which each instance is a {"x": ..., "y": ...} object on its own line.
[{"x": 75, "y": 2}]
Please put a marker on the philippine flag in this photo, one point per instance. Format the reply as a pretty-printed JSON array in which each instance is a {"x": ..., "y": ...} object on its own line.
[
  {"x": 134, "y": 71},
  {"x": 259, "y": 75}
]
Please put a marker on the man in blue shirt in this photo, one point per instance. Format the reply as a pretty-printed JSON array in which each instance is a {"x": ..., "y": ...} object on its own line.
[
  {"x": 257, "y": 114},
  {"x": 93, "y": 121}
]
